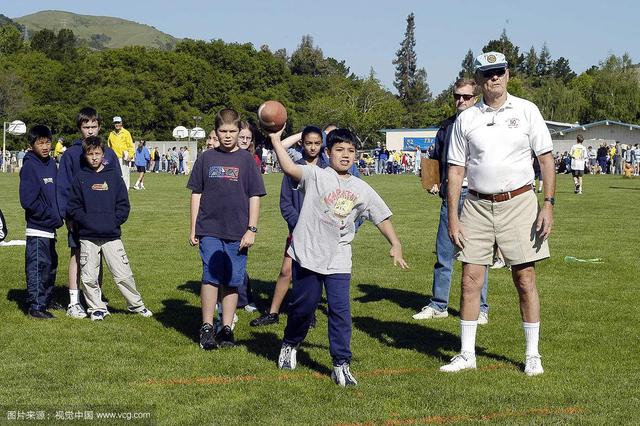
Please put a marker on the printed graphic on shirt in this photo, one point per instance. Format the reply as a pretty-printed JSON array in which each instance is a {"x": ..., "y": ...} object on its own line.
[
  {"x": 578, "y": 154},
  {"x": 513, "y": 123},
  {"x": 100, "y": 187},
  {"x": 342, "y": 201},
  {"x": 47, "y": 180},
  {"x": 223, "y": 172}
]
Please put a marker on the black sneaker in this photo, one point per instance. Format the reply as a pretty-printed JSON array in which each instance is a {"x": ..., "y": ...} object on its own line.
[
  {"x": 577, "y": 189},
  {"x": 34, "y": 313},
  {"x": 207, "y": 341},
  {"x": 224, "y": 338},
  {"x": 56, "y": 306},
  {"x": 265, "y": 319}
]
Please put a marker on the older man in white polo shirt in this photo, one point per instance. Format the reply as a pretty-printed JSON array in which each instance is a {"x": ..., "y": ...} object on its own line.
[{"x": 492, "y": 141}]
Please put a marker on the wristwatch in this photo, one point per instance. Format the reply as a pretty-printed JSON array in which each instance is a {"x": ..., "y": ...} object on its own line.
[
  {"x": 551, "y": 200},
  {"x": 252, "y": 229}
]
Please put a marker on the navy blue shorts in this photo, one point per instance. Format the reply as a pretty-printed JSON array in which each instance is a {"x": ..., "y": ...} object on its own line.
[{"x": 223, "y": 263}]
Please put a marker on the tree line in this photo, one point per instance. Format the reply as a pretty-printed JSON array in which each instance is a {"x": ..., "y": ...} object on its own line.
[{"x": 49, "y": 78}]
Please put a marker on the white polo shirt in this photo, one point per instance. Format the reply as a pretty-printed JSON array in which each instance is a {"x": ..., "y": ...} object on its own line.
[{"x": 495, "y": 144}]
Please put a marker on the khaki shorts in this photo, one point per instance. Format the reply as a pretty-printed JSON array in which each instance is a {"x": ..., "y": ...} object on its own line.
[{"x": 511, "y": 225}]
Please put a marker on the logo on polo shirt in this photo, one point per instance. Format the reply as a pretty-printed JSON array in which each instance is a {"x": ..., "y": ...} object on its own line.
[
  {"x": 100, "y": 187},
  {"x": 513, "y": 123},
  {"x": 47, "y": 180},
  {"x": 491, "y": 58}
]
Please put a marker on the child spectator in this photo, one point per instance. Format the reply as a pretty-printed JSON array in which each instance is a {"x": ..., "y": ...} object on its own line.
[
  {"x": 99, "y": 205},
  {"x": 38, "y": 179},
  {"x": 290, "y": 205},
  {"x": 321, "y": 247},
  {"x": 224, "y": 176},
  {"x": 88, "y": 123}
]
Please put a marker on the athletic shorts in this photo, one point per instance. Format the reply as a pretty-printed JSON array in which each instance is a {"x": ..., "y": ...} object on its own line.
[
  {"x": 577, "y": 173},
  {"x": 223, "y": 263},
  {"x": 509, "y": 224},
  {"x": 287, "y": 244},
  {"x": 141, "y": 169}
]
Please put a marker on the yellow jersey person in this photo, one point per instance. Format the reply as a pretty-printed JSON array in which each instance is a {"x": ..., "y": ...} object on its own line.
[{"x": 121, "y": 142}]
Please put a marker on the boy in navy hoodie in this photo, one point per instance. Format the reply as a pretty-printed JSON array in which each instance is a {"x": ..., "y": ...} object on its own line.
[
  {"x": 88, "y": 123},
  {"x": 38, "y": 199},
  {"x": 98, "y": 205}
]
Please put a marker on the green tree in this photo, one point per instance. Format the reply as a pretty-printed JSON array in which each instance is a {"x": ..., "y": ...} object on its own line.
[
  {"x": 44, "y": 41},
  {"x": 508, "y": 49},
  {"x": 530, "y": 63},
  {"x": 562, "y": 70},
  {"x": 411, "y": 82},
  {"x": 10, "y": 39},
  {"x": 467, "y": 70},
  {"x": 545, "y": 63},
  {"x": 307, "y": 59}
]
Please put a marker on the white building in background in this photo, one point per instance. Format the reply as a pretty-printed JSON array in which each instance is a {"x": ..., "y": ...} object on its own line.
[
  {"x": 408, "y": 139},
  {"x": 594, "y": 134}
]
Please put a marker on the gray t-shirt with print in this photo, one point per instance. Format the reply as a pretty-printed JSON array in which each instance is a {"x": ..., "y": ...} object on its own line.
[{"x": 322, "y": 237}]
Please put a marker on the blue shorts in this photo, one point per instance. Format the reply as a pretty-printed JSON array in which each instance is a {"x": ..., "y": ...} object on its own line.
[{"x": 222, "y": 262}]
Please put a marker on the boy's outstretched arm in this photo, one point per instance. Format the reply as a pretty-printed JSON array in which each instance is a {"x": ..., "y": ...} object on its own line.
[
  {"x": 286, "y": 163},
  {"x": 386, "y": 228}
]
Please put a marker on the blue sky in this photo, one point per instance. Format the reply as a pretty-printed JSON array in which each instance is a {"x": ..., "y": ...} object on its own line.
[{"x": 367, "y": 33}]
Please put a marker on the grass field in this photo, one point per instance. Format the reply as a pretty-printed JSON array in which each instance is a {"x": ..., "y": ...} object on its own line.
[{"x": 126, "y": 364}]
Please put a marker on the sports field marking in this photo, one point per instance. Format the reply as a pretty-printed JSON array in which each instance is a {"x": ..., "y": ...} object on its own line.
[{"x": 443, "y": 420}]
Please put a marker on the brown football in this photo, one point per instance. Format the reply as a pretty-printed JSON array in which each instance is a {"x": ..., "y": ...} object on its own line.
[{"x": 272, "y": 116}]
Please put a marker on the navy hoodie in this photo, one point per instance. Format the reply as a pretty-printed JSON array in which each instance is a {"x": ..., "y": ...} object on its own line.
[
  {"x": 38, "y": 193},
  {"x": 70, "y": 164},
  {"x": 98, "y": 202},
  {"x": 291, "y": 199}
]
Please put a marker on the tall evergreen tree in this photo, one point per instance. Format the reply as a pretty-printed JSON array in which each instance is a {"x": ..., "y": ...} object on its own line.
[
  {"x": 467, "y": 66},
  {"x": 508, "y": 49},
  {"x": 411, "y": 82},
  {"x": 530, "y": 64},
  {"x": 544, "y": 62}
]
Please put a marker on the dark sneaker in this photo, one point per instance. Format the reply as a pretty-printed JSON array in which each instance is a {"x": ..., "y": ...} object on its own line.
[
  {"x": 265, "y": 319},
  {"x": 207, "y": 340},
  {"x": 224, "y": 338},
  {"x": 577, "y": 189},
  {"x": 342, "y": 376},
  {"x": 56, "y": 306},
  {"x": 287, "y": 358},
  {"x": 34, "y": 313}
]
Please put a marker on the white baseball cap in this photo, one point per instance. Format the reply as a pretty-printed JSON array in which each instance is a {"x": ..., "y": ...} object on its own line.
[
  {"x": 117, "y": 119},
  {"x": 489, "y": 61}
]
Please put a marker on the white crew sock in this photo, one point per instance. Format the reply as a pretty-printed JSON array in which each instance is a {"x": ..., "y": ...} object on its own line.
[
  {"x": 468, "y": 336},
  {"x": 531, "y": 337},
  {"x": 73, "y": 297}
]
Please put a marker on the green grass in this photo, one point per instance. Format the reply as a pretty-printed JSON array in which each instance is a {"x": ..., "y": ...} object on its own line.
[{"x": 589, "y": 337}]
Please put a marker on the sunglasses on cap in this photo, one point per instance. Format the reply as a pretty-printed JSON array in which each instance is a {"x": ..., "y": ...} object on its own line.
[
  {"x": 457, "y": 96},
  {"x": 494, "y": 72}
]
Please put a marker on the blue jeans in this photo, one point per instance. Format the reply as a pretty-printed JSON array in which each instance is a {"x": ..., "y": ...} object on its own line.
[
  {"x": 445, "y": 252},
  {"x": 304, "y": 298},
  {"x": 41, "y": 264}
]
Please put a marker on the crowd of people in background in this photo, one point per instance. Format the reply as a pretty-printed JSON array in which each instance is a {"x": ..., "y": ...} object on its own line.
[{"x": 615, "y": 159}]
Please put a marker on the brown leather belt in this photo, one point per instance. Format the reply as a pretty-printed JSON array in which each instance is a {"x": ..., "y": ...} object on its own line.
[{"x": 503, "y": 196}]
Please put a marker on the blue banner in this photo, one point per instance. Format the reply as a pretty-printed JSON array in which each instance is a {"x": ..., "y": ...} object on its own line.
[{"x": 410, "y": 144}]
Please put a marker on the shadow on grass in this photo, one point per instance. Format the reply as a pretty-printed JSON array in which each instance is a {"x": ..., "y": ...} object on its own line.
[
  {"x": 267, "y": 345},
  {"x": 60, "y": 295},
  {"x": 403, "y": 298},
  {"x": 433, "y": 343},
  {"x": 180, "y": 316},
  {"x": 624, "y": 187}
]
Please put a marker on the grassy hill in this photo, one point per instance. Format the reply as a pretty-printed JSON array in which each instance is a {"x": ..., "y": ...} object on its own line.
[{"x": 99, "y": 31}]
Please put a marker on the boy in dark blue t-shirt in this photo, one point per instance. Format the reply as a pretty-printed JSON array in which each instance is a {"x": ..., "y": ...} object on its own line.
[
  {"x": 226, "y": 188},
  {"x": 38, "y": 199}
]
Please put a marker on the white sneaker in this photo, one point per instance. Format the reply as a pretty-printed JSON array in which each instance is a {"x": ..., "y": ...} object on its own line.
[
  {"x": 498, "y": 263},
  {"x": 533, "y": 365},
  {"x": 144, "y": 312},
  {"x": 428, "y": 312},
  {"x": 136, "y": 187},
  {"x": 142, "y": 186},
  {"x": 251, "y": 307},
  {"x": 287, "y": 359},
  {"x": 483, "y": 318},
  {"x": 462, "y": 361},
  {"x": 76, "y": 311},
  {"x": 342, "y": 375}
]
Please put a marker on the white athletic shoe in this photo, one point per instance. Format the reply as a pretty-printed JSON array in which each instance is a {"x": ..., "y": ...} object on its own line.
[
  {"x": 533, "y": 365},
  {"x": 144, "y": 312},
  {"x": 76, "y": 311},
  {"x": 483, "y": 318},
  {"x": 251, "y": 307},
  {"x": 498, "y": 263},
  {"x": 462, "y": 361},
  {"x": 428, "y": 312},
  {"x": 287, "y": 359},
  {"x": 342, "y": 375},
  {"x": 136, "y": 187}
]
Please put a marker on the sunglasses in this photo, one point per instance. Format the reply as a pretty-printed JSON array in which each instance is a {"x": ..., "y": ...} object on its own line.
[
  {"x": 494, "y": 72},
  {"x": 457, "y": 96}
]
